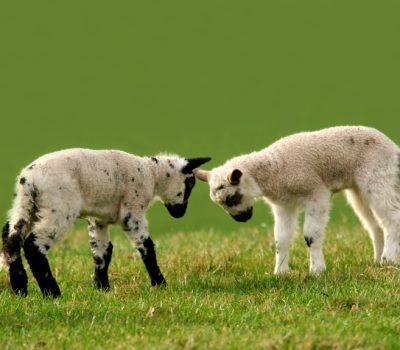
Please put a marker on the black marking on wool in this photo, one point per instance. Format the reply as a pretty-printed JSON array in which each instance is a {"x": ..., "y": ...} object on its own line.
[
  {"x": 125, "y": 222},
  {"x": 6, "y": 231},
  {"x": 309, "y": 241},
  {"x": 31, "y": 167},
  {"x": 148, "y": 255},
  {"x": 234, "y": 200},
  {"x": 179, "y": 194},
  {"x": 171, "y": 165},
  {"x": 101, "y": 269},
  {"x": 22, "y": 180},
  {"x": 189, "y": 184},
  {"x": 133, "y": 179},
  {"x": 138, "y": 169},
  {"x": 53, "y": 210},
  {"x": 99, "y": 225},
  {"x": 168, "y": 175},
  {"x": 154, "y": 159},
  {"x": 40, "y": 268},
  {"x": 34, "y": 194},
  {"x": 352, "y": 140},
  {"x": 19, "y": 225},
  {"x": 35, "y": 208}
]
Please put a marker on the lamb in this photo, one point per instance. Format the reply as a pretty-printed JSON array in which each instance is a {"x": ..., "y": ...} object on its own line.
[
  {"x": 106, "y": 187},
  {"x": 302, "y": 171}
]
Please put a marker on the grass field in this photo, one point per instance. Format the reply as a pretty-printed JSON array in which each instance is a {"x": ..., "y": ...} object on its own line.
[{"x": 221, "y": 294}]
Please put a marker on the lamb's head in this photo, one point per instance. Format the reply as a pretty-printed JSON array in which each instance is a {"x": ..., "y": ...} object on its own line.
[
  {"x": 177, "y": 181},
  {"x": 232, "y": 189}
]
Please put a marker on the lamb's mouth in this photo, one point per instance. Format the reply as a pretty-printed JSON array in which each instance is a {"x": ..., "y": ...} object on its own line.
[{"x": 244, "y": 215}]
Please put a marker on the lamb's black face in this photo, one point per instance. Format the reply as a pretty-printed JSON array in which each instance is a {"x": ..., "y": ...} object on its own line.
[
  {"x": 178, "y": 199},
  {"x": 177, "y": 210}
]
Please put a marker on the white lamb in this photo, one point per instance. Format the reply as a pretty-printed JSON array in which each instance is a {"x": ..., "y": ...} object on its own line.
[
  {"x": 107, "y": 187},
  {"x": 302, "y": 171}
]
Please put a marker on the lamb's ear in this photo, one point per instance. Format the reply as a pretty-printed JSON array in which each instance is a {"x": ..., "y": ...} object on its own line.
[
  {"x": 194, "y": 163},
  {"x": 202, "y": 175},
  {"x": 234, "y": 177}
]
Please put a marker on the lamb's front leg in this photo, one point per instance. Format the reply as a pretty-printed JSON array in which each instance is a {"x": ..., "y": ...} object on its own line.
[
  {"x": 285, "y": 227},
  {"x": 137, "y": 230},
  {"x": 316, "y": 217},
  {"x": 101, "y": 248}
]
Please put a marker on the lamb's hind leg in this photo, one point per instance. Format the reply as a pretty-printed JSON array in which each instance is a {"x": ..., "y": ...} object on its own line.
[
  {"x": 51, "y": 227},
  {"x": 101, "y": 248},
  {"x": 370, "y": 223},
  {"x": 315, "y": 220},
  {"x": 12, "y": 241},
  {"x": 384, "y": 200},
  {"x": 390, "y": 220}
]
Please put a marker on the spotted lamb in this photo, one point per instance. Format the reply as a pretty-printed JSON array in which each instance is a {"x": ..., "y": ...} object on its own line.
[
  {"x": 302, "y": 171},
  {"x": 106, "y": 187}
]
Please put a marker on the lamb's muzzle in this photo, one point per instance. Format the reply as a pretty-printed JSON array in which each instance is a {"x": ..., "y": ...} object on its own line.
[
  {"x": 177, "y": 210},
  {"x": 244, "y": 215}
]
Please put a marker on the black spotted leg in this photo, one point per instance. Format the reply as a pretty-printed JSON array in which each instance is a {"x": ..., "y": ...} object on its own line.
[
  {"x": 101, "y": 248},
  {"x": 137, "y": 232}
]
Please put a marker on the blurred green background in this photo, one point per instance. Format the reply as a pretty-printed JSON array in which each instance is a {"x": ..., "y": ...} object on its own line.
[{"x": 199, "y": 78}]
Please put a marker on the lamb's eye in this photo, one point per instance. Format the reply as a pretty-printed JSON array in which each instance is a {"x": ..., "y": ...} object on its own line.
[{"x": 179, "y": 194}]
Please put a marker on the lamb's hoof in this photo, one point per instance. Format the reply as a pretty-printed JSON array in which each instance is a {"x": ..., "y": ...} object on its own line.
[
  {"x": 20, "y": 291},
  {"x": 159, "y": 283},
  {"x": 281, "y": 272},
  {"x": 103, "y": 286},
  {"x": 386, "y": 260},
  {"x": 317, "y": 271},
  {"x": 51, "y": 291}
]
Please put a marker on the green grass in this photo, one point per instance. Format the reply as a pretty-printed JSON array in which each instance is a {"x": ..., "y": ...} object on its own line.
[{"x": 221, "y": 294}]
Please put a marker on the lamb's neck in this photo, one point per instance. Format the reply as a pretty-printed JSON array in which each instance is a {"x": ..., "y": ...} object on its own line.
[
  {"x": 262, "y": 167},
  {"x": 154, "y": 178}
]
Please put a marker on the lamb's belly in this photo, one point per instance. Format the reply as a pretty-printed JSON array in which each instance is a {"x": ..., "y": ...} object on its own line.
[{"x": 108, "y": 212}]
